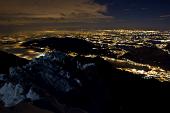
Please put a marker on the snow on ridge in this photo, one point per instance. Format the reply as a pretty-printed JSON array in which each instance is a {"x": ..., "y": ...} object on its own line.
[{"x": 53, "y": 70}]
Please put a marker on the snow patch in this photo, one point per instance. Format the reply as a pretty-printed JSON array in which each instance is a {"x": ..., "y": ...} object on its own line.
[
  {"x": 85, "y": 66},
  {"x": 11, "y": 94},
  {"x": 32, "y": 95},
  {"x": 2, "y": 77}
]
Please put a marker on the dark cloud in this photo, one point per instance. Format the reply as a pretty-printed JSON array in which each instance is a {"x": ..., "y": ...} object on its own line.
[
  {"x": 121, "y": 13},
  {"x": 52, "y": 8}
]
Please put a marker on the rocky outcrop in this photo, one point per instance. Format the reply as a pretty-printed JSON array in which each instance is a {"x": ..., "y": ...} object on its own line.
[
  {"x": 9, "y": 60},
  {"x": 60, "y": 83},
  {"x": 11, "y": 94},
  {"x": 55, "y": 72}
]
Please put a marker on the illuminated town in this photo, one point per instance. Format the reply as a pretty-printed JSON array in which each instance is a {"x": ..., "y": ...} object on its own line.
[
  {"x": 114, "y": 41},
  {"x": 84, "y": 56}
]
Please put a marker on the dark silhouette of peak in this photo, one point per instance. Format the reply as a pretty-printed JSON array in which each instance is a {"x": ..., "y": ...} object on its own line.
[
  {"x": 8, "y": 60},
  {"x": 63, "y": 44},
  {"x": 68, "y": 45},
  {"x": 149, "y": 55}
]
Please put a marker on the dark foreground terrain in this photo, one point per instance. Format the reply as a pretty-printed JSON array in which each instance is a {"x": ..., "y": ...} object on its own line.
[{"x": 59, "y": 83}]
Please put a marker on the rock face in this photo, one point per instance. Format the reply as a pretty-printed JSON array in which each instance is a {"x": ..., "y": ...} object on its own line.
[
  {"x": 61, "y": 83},
  {"x": 55, "y": 72},
  {"x": 32, "y": 95},
  {"x": 11, "y": 94},
  {"x": 8, "y": 60}
]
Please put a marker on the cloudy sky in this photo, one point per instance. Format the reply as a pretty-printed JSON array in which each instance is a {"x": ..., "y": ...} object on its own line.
[
  {"x": 109, "y": 13},
  {"x": 52, "y": 8}
]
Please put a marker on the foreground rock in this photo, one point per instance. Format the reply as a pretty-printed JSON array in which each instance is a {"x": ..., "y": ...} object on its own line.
[
  {"x": 24, "y": 108},
  {"x": 11, "y": 94},
  {"x": 8, "y": 60},
  {"x": 56, "y": 74},
  {"x": 59, "y": 83}
]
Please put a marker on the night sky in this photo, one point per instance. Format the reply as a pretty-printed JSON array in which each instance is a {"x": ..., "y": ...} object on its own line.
[{"x": 149, "y": 14}]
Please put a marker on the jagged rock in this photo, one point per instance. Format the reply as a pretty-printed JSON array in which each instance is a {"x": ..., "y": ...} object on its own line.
[
  {"x": 53, "y": 70},
  {"x": 3, "y": 77},
  {"x": 91, "y": 84},
  {"x": 8, "y": 60},
  {"x": 32, "y": 95},
  {"x": 11, "y": 94}
]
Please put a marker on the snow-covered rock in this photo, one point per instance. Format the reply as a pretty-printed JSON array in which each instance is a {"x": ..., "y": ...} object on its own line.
[
  {"x": 85, "y": 66},
  {"x": 3, "y": 77},
  {"x": 32, "y": 95},
  {"x": 56, "y": 71},
  {"x": 11, "y": 94}
]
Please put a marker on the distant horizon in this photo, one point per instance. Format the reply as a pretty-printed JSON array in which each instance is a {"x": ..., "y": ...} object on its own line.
[
  {"x": 43, "y": 27},
  {"x": 16, "y": 29}
]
